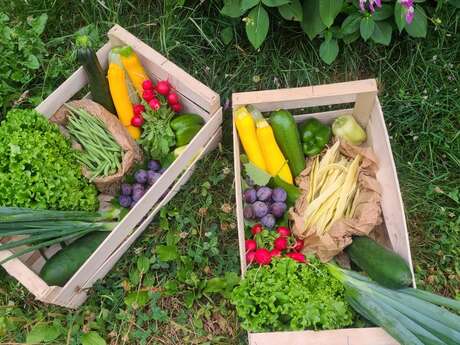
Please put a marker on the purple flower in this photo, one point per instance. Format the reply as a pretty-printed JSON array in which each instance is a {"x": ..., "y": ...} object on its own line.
[
  {"x": 410, "y": 11},
  {"x": 370, "y": 4}
]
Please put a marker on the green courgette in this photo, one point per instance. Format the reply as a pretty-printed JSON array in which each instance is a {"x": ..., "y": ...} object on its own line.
[
  {"x": 288, "y": 139},
  {"x": 382, "y": 265},
  {"x": 65, "y": 263},
  {"x": 98, "y": 84}
]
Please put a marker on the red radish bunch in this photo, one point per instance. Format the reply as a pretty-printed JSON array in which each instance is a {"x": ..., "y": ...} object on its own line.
[
  {"x": 162, "y": 88},
  {"x": 284, "y": 245}
]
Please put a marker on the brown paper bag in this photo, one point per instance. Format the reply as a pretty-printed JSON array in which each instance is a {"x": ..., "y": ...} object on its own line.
[
  {"x": 367, "y": 214},
  {"x": 131, "y": 151}
]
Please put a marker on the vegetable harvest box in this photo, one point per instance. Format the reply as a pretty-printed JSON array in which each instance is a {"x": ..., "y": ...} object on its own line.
[
  {"x": 195, "y": 98},
  {"x": 367, "y": 111}
]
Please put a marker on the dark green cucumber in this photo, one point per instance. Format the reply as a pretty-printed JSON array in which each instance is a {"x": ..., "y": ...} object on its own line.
[
  {"x": 382, "y": 265},
  {"x": 98, "y": 83},
  {"x": 292, "y": 191},
  {"x": 65, "y": 263},
  {"x": 288, "y": 139},
  {"x": 185, "y": 120}
]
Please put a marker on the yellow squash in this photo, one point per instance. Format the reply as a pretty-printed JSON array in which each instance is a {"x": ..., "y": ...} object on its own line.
[
  {"x": 274, "y": 160},
  {"x": 134, "y": 68},
  {"x": 119, "y": 91},
  {"x": 135, "y": 132},
  {"x": 247, "y": 132}
]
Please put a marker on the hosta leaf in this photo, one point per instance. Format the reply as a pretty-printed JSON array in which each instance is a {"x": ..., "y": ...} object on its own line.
[
  {"x": 366, "y": 27},
  {"x": 275, "y": 3},
  {"x": 311, "y": 22},
  {"x": 418, "y": 27},
  {"x": 257, "y": 26},
  {"x": 351, "y": 24},
  {"x": 247, "y": 4},
  {"x": 328, "y": 10},
  {"x": 382, "y": 13},
  {"x": 329, "y": 50},
  {"x": 382, "y": 33},
  {"x": 292, "y": 11},
  {"x": 400, "y": 16},
  {"x": 231, "y": 8}
]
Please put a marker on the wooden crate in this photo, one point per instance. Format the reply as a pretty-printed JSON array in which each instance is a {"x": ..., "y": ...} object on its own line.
[
  {"x": 195, "y": 98},
  {"x": 367, "y": 110}
]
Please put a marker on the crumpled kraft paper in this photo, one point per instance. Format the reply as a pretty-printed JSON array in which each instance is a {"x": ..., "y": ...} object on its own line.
[
  {"x": 131, "y": 150},
  {"x": 367, "y": 215}
]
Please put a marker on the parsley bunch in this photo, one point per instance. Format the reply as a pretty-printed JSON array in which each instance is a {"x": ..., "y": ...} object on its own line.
[
  {"x": 38, "y": 167},
  {"x": 290, "y": 296}
]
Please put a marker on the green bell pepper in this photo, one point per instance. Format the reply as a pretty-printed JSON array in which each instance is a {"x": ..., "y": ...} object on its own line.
[{"x": 314, "y": 136}]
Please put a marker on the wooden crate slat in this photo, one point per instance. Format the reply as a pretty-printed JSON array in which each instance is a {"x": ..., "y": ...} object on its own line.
[
  {"x": 349, "y": 336},
  {"x": 309, "y": 96}
]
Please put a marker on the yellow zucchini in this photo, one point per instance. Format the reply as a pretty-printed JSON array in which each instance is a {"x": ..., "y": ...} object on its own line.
[{"x": 134, "y": 68}]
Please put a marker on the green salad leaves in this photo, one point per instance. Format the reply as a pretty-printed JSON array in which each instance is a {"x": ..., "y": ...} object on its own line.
[
  {"x": 38, "y": 167},
  {"x": 290, "y": 296}
]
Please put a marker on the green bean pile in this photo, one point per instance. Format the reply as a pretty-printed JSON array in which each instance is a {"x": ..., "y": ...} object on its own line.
[{"x": 102, "y": 155}]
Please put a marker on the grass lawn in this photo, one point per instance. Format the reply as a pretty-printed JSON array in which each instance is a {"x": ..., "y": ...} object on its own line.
[{"x": 419, "y": 84}]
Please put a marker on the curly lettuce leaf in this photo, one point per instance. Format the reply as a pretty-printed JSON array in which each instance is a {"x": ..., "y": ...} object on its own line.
[{"x": 290, "y": 296}]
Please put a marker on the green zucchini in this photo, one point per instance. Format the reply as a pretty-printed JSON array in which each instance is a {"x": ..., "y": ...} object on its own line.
[
  {"x": 382, "y": 265},
  {"x": 292, "y": 191},
  {"x": 65, "y": 263},
  {"x": 185, "y": 120},
  {"x": 288, "y": 139},
  {"x": 98, "y": 84}
]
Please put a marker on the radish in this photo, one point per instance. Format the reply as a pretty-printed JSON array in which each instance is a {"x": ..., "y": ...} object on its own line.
[
  {"x": 250, "y": 245},
  {"x": 163, "y": 87},
  {"x": 298, "y": 245},
  {"x": 275, "y": 252},
  {"x": 137, "y": 121},
  {"x": 148, "y": 95},
  {"x": 281, "y": 243},
  {"x": 250, "y": 257},
  {"x": 256, "y": 229},
  {"x": 138, "y": 109},
  {"x": 173, "y": 98},
  {"x": 283, "y": 231},
  {"x": 299, "y": 257},
  {"x": 176, "y": 107},
  {"x": 147, "y": 84},
  {"x": 263, "y": 256},
  {"x": 155, "y": 104}
]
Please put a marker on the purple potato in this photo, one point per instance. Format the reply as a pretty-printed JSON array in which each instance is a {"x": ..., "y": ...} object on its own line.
[
  {"x": 154, "y": 165},
  {"x": 250, "y": 195},
  {"x": 264, "y": 193},
  {"x": 278, "y": 209},
  {"x": 153, "y": 177},
  {"x": 279, "y": 195},
  {"x": 248, "y": 212},
  {"x": 260, "y": 209},
  {"x": 126, "y": 189},
  {"x": 138, "y": 186},
  {"x": 268, "y": 221},
  {"x": 125, "y": 201},
  {"x": 141, "y": 176},
  {"x": 137, "y": 194}
]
